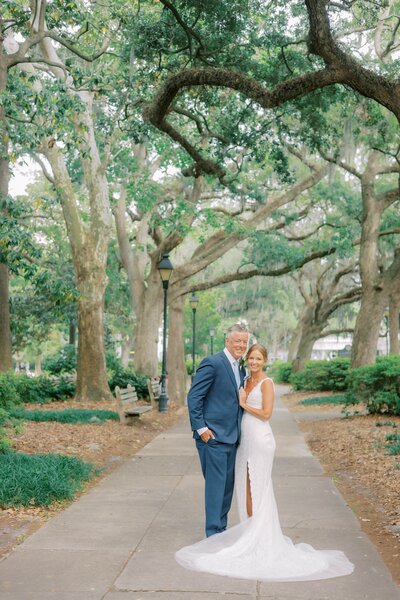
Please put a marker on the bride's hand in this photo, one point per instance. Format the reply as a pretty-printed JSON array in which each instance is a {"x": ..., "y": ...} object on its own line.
[{"x": 242, "y": 397}]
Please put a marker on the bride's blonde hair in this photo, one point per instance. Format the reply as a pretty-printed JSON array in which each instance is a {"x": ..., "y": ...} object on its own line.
[{"x": 260, "y": 348}]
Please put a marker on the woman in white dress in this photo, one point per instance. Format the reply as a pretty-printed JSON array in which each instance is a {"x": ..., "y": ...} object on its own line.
[{"x": 256, "y": 548}]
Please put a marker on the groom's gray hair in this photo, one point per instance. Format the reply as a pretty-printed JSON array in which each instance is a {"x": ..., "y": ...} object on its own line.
[{"x": 242, "y": 327}]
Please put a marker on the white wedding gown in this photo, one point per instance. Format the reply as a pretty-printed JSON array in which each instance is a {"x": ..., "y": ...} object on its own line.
[{"x": 256, "y": 548}]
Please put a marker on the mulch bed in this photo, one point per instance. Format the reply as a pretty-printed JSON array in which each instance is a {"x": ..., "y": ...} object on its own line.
[
  {"x": 105, "y": 445},
  {"x": 352, "y": 451}
]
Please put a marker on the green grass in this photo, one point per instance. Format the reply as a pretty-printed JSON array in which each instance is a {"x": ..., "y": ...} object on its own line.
[
  {"x": 69, "y": 415},
  {"x": 386, "y": 424},
  {"x": 393, "y": 448},
  {"x": 40, "y": 479},
  {"x": 321, "y": 400}
]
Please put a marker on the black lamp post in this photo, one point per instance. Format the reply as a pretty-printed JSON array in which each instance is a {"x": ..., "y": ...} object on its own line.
[
  {"x": 194, "y": 301},
  {"x": 212, "y": 333},
  {"x": 165, "y": 269}
]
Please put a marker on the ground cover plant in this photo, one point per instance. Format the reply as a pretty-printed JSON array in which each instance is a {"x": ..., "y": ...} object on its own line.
[
  {"x": 40, "y": 479},
  {"x": 339, "y": 399},
  {"x": 69, "y": 415},
  {"x": 393, "y": 443}
]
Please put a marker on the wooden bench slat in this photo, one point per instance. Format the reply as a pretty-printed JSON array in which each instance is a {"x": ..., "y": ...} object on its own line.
[{"x": 128, "y": 409}]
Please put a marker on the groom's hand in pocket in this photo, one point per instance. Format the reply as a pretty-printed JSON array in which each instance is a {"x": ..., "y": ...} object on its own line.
[{"x": 206, "y": 435}]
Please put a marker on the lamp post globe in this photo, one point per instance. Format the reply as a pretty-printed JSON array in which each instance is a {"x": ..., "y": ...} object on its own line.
[
  {"x": 194, "y": 301},
  {"x": 165, "y": 269}
]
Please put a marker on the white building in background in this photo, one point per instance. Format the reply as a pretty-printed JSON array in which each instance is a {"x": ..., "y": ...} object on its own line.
[{"x": 333, "y": 346}]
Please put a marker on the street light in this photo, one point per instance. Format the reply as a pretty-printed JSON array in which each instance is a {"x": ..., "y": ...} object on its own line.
[
  {"x": 194, "y": 301},
  {"x": 165, "y": 269},
  {"x": 212, "y": 333}
]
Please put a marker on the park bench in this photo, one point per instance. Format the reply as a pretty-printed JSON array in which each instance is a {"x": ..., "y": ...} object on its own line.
[
  {"x": 128, "y": 409},
  {"x": 153, "y": 385}
]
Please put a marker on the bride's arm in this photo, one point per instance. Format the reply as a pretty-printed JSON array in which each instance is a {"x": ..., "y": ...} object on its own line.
[{"x": 267, "y": 392}]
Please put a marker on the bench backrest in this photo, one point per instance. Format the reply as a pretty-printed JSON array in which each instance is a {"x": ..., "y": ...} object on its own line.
[
  {"x": 126, "y": 398},
  {"x": 153, "y": 386}
]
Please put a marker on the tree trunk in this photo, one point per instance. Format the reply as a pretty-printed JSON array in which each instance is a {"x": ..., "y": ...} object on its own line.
[
  {"x": 307, "y": 340},
  {"x": 5, "y": 333},
  {"x": 148, "y": 326},
  {"x": 5, "y": 323},
  {"x": 177, "y": 375},
  {"x": 294, "y": 343},
  {"x": 366, "y": 331},
  {"x": 92, "y": 381},
  {"x": 394, "y": 316},
  {"x": 72, "y": 332},
  {"x": 373, "y": 300},
  {"x": 38, "y": 364},
  {"x": 126, "y": 347}
]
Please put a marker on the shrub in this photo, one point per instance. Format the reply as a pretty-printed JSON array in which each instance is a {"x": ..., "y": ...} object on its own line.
[
  {"x": 122, "y": 377},
  {"x": 322, "y": 375},
  {"x": 377, "y": 386},
  {"x": 62, "y": 362},
  {"x": 280, "y": 371},
  {"x": 9, "y": 395},
  {"x": 40, "y": 479},
  {"x": 40, "y": 390},
  {"x": 70, "y": 415}
]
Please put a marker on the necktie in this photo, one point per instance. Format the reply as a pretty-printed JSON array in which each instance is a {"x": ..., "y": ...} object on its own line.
[{"x": 236, "y": 372}]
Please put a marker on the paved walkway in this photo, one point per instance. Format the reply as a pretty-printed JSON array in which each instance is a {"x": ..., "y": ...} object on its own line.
[{"x": 117, "y": 542}]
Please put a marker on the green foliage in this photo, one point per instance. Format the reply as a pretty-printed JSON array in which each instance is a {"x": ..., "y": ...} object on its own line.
[
  {"x": 321, "y": 400},
  {"x": 9, "y": 395},
  {"x": 40, "y": 479},
  {"x": 70, "y": 415},
  {"x": 16, "y": 389},
  {"x": 122, "y": 377},
  {"x": 16, "y": 246},
  {"x": 280, "y": 371},
  {"x": 62, "y": 362},
  {"x": 393, "y": 443},
  {"x": 322, "y": 375},
  {"x": 386, "y": 424},
  {"x": 40, "y": 390},
  {"x": 377, "y": 386},
  {"x": 4, "y": 441}
]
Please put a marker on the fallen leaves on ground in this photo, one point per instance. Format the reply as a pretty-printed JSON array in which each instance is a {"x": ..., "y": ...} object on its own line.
[
  {"x": 352, "y": 451},
  {"x": 105, "y": 445}
]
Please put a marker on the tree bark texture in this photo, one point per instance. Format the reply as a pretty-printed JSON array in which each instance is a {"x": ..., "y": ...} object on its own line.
[
  {"x": 176, "y": 366},
  {"x": 148, "y": 327},
  {"x": 5, "y": 332},
  {"x": 374, "y": 295},
  {"x": 366, "y": 331},
  {"x": 5, "y": 321}
]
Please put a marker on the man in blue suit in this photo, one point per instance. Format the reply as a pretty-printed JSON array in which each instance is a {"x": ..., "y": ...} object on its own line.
[{"x": 215, "y": 416}]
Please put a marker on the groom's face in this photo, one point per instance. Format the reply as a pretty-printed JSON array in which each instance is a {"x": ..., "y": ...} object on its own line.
[{"x": 236, "y": 343}]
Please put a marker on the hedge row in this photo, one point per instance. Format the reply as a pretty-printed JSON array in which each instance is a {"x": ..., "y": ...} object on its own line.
[{"x": 376, "y": 386}]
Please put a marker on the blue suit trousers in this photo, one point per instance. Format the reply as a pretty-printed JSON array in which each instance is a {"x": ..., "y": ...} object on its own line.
[{"x": 218, "y": 465}]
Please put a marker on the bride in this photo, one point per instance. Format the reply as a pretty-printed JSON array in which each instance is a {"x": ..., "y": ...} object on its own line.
[{"x": 256, "y": 548}]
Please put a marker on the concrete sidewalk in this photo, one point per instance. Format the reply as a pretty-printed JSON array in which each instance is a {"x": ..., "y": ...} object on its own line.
[{"x": 118, "y": 541}]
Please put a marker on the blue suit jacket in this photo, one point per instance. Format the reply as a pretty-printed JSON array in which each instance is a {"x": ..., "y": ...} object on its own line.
[{"x": 213, "y": 399}]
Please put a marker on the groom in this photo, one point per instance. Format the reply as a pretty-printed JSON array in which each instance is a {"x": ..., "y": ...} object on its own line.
[{"x": 215, "y": 416}]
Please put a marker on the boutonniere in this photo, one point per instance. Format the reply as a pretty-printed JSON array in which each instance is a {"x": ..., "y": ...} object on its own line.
[{"x": 241, "y": 362}]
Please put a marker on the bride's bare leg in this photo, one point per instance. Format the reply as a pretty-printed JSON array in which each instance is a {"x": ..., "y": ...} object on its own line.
[{"x": 249, "y": 503}]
